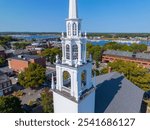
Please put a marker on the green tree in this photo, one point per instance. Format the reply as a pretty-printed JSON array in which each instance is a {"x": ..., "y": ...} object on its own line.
[
  {"x": 33, "y": 76},
  {"x": 123, "y": 47},
  {"x": 66, "y": 75},
  {"x": 138, "y": 47},
  {"x": 47, "y": 101},
  {"x": 97, "y": 64},
  {"x": 10, "y": 104},
  {"x": 112, "y": 46},
  {"x": 95, "y": 51},
  {"x": 5, "y": 39},
  {"x": 21, "y": 45},
  {"x": 51, "y": 53},
  {"x": 2, "y": 60},
  {"x": 95, "y": 71},
  {"x": 135, "y": 73}
]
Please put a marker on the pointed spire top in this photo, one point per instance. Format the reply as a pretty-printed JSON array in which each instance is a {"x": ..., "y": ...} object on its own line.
[{"x": 73, "y": 9}]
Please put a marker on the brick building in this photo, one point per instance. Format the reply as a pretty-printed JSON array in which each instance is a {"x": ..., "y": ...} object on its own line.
[
  {"x": 139, "y": 58},
  {"x": 5, "y": 84},
  {"x": 21, "y": 62}
]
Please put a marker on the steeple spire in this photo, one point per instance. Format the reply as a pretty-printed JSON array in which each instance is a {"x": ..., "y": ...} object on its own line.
[
  {"x": 74, "y": 89},
  {"x": 73, "y": 9}
]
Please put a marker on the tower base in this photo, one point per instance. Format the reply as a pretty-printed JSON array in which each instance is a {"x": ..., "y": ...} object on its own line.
[{"x": 67, "y": 104}]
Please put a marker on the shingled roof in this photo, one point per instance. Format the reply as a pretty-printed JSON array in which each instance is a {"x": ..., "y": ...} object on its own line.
[{"x": 116, "y": 94}]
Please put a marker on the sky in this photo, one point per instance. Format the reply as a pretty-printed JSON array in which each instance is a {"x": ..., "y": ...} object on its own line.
[{"x": 97, "y": 15}]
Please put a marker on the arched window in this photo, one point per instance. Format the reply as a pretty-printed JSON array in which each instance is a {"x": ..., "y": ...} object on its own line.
[
  {"x": 75, "y": 52},
  {"x": 83, "y": 79},
  {"x": 69, "y": 29},
  {"x": 74, "y": 29},
  {"x": 67, "y": 52},
  {"x": 66, "y": 79}
]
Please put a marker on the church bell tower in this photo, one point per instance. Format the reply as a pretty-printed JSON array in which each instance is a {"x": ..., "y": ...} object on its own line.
[{"x": 74, "y": 91}]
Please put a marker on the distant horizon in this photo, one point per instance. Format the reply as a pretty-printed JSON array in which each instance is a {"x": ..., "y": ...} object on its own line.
[
  {"x": 82, "y": 32},
  {"x": 117, "y": 16}
]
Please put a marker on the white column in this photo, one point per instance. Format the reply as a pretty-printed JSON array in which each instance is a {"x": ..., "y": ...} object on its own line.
[
  {"x": 79, "y": 54},
  {"x": 52, "y": 82},
  {"x": 72, "y": 84},
  {"x": 76, "y": 85},
  {"x": 63, "y": 52},
  {"x": 57, "y": 80},
  {"x": 71, "y": 58},
  {"x": 60, "y": 79},
  {"x": 85, "y": 60}
]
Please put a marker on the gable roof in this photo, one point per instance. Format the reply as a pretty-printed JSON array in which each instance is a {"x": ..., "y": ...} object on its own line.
[
  {"x": 116, "y": 94},
  {"x": 26, "y": 57}
]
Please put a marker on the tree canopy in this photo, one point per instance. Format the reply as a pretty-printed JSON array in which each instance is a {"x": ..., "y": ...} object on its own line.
[
  {"x": 137, "y": 74},
  {"x": 10, "y": 104},
  {"x": 51, "y": 53},
  {"x": 21, "y": 45},
  {"x": 124, "y": 47},
  {"x": 47, "y": 101},
  {"x": 5, "y": 39},
  {"x": 95, "y": 51},
  {"x": 118, "y": 35},
  {"x": 33, "y": 76},
  {"x": 2, "y": 60}
]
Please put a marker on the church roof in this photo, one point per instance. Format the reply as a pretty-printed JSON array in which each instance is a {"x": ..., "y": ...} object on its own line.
[
  {"x": 116, "y": 94},
  {"x": 145, "y": 56}
]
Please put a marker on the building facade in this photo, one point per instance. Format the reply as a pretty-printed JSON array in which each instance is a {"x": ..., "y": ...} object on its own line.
[
  {"x": 5, "y": 84},
  {"x": 142, "y": 59},
  {"x": 19, "y": 63},
  {"x": 74, "y": 91}
]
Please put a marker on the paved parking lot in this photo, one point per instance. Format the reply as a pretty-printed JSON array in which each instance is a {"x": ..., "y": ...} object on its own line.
[{"x": 30, "y": 95}]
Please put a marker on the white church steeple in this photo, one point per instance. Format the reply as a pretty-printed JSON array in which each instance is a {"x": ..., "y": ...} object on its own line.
[{"x": 74, "y": 91}]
